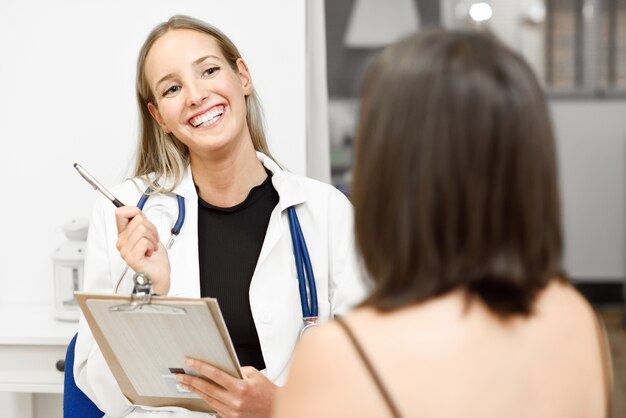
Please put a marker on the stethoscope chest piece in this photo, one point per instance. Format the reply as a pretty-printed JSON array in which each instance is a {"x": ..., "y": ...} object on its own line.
[{"x": 310, "y": 323}]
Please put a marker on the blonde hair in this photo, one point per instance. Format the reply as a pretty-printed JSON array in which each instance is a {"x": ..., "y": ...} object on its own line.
[{"x": 163, "y": 154}]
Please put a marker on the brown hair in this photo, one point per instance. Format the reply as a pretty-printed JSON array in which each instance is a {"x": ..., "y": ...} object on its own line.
[
  {"x": 455, "y": 180},
  {"x": 161, "y": 153}
]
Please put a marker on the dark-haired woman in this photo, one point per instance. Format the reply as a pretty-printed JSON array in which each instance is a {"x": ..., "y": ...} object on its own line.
[{"x": 457, "y": 216}]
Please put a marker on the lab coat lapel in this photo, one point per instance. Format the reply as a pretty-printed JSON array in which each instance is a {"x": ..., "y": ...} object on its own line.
[
  {"x": 274, "y": 299},
  {"x": 289, "y": 194}
]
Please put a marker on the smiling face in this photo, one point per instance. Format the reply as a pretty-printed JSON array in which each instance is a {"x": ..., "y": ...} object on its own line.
[{"x": 199, "y": 98}]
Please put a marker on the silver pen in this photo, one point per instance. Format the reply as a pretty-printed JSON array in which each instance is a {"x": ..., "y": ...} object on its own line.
[{"x": 96, "y": 185}]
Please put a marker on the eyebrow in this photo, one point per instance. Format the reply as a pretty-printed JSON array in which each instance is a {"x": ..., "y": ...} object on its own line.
[{"x": 196, "y": 62}]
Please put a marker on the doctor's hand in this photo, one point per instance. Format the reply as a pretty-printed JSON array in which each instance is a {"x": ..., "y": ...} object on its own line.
[
  {"x": 230, "y": 397},
  {"x": 139, "y": 245}
]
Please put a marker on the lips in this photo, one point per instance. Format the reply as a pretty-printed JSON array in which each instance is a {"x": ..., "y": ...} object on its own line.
[{"x": 207, "y": 118}]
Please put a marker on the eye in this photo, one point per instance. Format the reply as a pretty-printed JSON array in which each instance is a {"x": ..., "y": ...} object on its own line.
[
  {"x": 171, "y": 90},
  {"x": 210, "y": 71}
]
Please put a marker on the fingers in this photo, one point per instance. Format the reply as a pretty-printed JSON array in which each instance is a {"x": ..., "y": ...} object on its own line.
[
  {"x": 124, "y": 215},
  {"x": 216, "y": 396},
  {"x": 140, "y": 247},
  {"x": 248, "y": 372},
  {"x": 202, "y": 385},
  {"x": 188, "y": 383},
  {"x": 231, "y": 397},
  {"x": 137, "y": 236},
  {"x": 214, "y": 374}
]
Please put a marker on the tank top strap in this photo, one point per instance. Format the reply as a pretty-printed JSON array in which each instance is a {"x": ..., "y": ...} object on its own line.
[
  {"x": 607, "y": 363},
  {"x": 370, "y": 368}
]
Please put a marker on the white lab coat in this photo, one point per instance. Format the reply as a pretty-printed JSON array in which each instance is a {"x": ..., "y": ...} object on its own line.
[{"x": 326, "y": 219}]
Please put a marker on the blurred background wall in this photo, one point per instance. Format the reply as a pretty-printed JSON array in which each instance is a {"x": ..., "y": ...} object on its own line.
[{"x": 578, "y": 50}]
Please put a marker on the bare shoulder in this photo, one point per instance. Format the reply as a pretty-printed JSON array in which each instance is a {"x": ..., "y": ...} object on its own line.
[
  {"x": 329, "y": 339},
  {"x": 322, "y": 367},
  {"x": 561, "y": 297}
]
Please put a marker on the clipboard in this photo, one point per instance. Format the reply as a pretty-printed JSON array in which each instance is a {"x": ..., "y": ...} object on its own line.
[{"x": 145, "y": 339}]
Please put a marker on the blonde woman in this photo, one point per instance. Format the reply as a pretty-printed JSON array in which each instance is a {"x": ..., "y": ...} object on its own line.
[{"x": 202, "y": 139}]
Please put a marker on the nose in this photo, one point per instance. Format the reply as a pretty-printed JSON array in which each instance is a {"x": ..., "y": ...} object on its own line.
[{"x": 197, "y": 93}]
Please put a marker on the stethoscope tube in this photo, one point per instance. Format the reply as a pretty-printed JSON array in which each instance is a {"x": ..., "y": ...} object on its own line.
[
  {"x": 304, "y": 269},
  {"x": 180, "y": 220},
  {"x": 178, "y": 225},
  {"x": 181, "y": 215},
  {"x": 303, "y": 264}
]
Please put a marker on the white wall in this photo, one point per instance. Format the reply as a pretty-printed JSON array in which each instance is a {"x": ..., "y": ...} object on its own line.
[
  {"x": 591, "y": 140},
  {"x": 67, "y": 69}
]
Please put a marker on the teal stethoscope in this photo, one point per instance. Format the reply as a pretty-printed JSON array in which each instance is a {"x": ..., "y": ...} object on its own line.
[{"x": 304, "y": 269}]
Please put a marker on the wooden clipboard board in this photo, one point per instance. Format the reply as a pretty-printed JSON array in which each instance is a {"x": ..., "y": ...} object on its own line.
[{"x": 146, "y": 345}]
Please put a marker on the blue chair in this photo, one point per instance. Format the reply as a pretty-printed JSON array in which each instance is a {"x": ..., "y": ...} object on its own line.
[{"x": 75, "y": 403}]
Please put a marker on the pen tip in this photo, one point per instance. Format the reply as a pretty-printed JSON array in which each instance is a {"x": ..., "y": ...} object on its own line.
[{"x": 75, "y": 165}]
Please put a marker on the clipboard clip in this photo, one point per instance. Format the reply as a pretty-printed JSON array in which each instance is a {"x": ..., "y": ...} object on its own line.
[
  {"x": 141, "y": 298},
  {"x": 142, "y": 287}
]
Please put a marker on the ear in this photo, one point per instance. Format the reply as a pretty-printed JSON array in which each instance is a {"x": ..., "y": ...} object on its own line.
[
  {"x": 156, "y": 115},
  {"x": 244, "y": 77}
]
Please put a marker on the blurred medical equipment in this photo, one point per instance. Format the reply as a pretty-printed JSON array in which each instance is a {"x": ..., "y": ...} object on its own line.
[{"x": 68, "y": 259}]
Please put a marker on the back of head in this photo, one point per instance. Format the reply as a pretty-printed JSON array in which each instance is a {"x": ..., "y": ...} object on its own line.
[{"x": 455, "y": 180}]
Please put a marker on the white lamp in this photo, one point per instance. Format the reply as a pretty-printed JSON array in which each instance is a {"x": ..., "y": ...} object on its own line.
[{"x": 68, "y": 261}]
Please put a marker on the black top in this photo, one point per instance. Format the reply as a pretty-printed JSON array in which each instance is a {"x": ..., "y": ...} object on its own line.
[{"x": 229, "y": 244}]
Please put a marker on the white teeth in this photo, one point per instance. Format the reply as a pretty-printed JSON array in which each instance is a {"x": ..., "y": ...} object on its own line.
[
  {"x": 209, "y": 122},
  {"x": 207, "y": 118}
]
